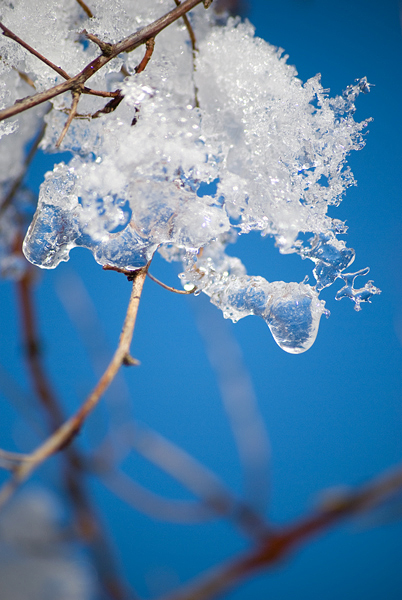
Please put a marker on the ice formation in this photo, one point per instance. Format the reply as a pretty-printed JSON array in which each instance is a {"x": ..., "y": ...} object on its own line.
[{"x": 196, "y": 154}]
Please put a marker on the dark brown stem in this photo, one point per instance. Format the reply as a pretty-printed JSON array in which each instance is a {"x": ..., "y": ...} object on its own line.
[
  {"x": 126, "y": 45},
  {"x": 194, "y": 47}
]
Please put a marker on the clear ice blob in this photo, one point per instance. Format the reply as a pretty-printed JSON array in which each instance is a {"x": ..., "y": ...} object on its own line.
[
  {"x": 360, "y": 295},
  {"x": 294, "y": 317}
]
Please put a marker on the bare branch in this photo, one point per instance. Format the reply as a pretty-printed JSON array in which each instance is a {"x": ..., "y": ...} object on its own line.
[
  {"x": 287, "y": 538},
  {"x": 85, "y": 8},
  {"x": 8, "y": 33},
  {"x": 126, "y": 45},
  {"x": 150, "y": 45},
  {"x": 189, "y": 29},
  {"x": 64, "y": 435},
  {"x": 171, "y": 289},
  {"x": 73, "y": 112}
]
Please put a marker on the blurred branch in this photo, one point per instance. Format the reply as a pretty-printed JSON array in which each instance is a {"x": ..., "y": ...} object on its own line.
[
  {"x": 240, "y": 404},
  {"x": 89, "y": 528},
  {"x": 287, "y": 538},
  {"x": 85, "y": 8},
  {"x": 215, "y": 498},
  {"x": 64, "y": 434},
  {"x": 28, "y": 159}
]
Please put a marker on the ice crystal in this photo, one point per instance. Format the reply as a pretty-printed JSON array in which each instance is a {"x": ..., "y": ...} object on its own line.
[{"x": 194, "y": 155}]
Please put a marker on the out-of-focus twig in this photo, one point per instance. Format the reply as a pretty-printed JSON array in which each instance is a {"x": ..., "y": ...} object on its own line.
[
  {"x": 287, "y": 538},
  {"x": 64, "y": 434},
  {"x": 88, "y": 526},
  {"x": 85, "y": 8},
  {"x": 240, "y": 403},
  {"x": 28, "y": 159}
]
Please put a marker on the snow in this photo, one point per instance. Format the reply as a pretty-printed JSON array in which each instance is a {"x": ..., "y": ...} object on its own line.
[{"x": 238, "y": 124}]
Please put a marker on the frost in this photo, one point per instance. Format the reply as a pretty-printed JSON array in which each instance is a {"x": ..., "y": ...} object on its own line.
[{"x": 195, "y": 156}]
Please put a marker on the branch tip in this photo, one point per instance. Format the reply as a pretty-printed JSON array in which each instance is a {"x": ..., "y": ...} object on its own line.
[{"x": 130, "y": 361}]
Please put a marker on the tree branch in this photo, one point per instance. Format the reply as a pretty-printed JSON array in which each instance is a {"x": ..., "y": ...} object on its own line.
[
  {"x": 288, "y": 538},
  {"x": 126, "y": 45},
  {"x": 64, "y": 434}
]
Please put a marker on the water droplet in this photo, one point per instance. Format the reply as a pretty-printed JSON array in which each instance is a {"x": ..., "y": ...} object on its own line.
[{"x": 294, "y": 319}]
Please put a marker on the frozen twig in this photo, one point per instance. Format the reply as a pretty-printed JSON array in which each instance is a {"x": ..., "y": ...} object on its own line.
[
  {"x": 193, "y": 46},
  {"x": 287, "y": 538},
  {"x": 64, "y": 434},
  {"x": 126, "y": 45},
  {"x": 73, "y": 112},
  {"x": 170, "y": 288},
  {"x": 8, "y": 33}
]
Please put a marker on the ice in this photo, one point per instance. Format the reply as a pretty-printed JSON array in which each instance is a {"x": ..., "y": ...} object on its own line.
[{"x": 193, "y": 156}]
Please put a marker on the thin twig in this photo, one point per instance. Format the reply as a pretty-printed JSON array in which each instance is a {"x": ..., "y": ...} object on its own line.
[
  {"x": 194, "y": 48},
  {"x": 150, "y": 45},
  {"x": 85, "y": 8},
  {"x": 189, "y": 29},
  {"x": 88, "y": 525},
  {"x": 168, "y": 287},
  {"x": 8, "y": 33},
  {"x": 64, "y": 435},
  {"x": 224, "y": 577},
  {"x": 73, "y": 112},
  {"x": 128, "y": 44}
]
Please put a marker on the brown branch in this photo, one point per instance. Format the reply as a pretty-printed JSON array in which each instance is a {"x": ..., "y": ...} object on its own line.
[
  {"x": 189, "y": 29},
  {"x": 126, "y": 45},
  {"x": 8, "y": 33},
  {"x": 85, "y": 8},
  {"x": 194, "y": 47},
  {"x": 150, "y": 45},
  {"x": 64, "y": 434},
  {"x": 88, "y": 525},
  {"x": 168, "y": 287},
  {"x": 288, "y": 538},
  {"x": 73, "y": 112}
]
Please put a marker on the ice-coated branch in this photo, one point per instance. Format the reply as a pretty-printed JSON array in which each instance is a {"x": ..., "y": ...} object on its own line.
[
  {"x": 126, "y": 45},
  {"x": 64, "y": 434},
  {"x": 290, "y": 537}
]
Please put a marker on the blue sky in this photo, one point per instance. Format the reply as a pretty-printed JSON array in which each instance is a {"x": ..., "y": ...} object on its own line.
[{"x": 334, "y": 413}]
